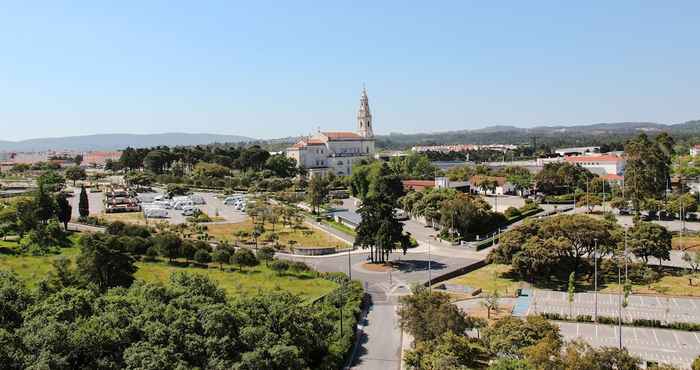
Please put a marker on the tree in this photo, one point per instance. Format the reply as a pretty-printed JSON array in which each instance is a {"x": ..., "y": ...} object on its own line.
[
  {"x": 589, "y": 200},
  {"x": 75, "y": 173},
  {"x": 427, "y": 316},
  {"x": 202, "y": 256},
  {"x": 379, "y": 229},
  {"x": 187, "y": 250},
  {"x": 265, "y": 254},
  {"x": 561, "y": 178},
  {"x": 221, "y": 256},
  {"x": 507, "y": 337},
  {"x": 279, "y": 266},
  {"x": 243, "y": 257},
  {"x": 83, "y": 203},
  {"x": 449, "y": 351},
  {"x": 580, "y": 355},
  {"x": 317, "y": 192},
  {"x": 64, "y": 210},
  {"x": 571, "y": 289},
  {"x": 44, "y": 202},
  {"x": 168, "y": 245},
  {"x": 156, "y": 161},
  {"x": 647, "y": 169},
  {"x": 692, "y": 259},
  {"x": 647, "y": 239},
  {"x": 282, "y": 166},
  {"x": 203, "y": 169},
  {"x": 696, "y": 364},
  {"x": 490, "y": 303},
  {"x": 103, "y": 262}
]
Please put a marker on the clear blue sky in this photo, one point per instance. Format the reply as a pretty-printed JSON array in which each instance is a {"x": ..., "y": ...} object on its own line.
[{"x": 268, "y": 70}]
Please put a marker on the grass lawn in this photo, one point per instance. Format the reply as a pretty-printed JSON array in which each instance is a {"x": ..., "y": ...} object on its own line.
[
  {"x": 305, "y": 236},
  {"x": 667, "y": 285},
  {"x": 32, "y": 269},
  {"x": 490, "y": 278},
  {"x": 340, "y": 227},
  {"x": 250, "y": 281},
  {"x": 498, "y": 277},
  {"x": 686, "y": 243},
  {"x": 127, "y": 217}
]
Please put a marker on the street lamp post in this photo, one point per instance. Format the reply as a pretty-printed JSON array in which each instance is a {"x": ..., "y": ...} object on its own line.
[
  {"x": 595, "y": 279},
  {"x": 349, "y": 265},
  {"x": 430, "y": 280}
]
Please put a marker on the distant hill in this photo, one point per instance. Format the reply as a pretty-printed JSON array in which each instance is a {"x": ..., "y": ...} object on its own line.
[
  {"x": 118, "y": 141},
  {"x": 597, "y": 134}
]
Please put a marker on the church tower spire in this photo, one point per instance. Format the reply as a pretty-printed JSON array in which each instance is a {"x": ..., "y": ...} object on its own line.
[{"x": 364, "y": 117}]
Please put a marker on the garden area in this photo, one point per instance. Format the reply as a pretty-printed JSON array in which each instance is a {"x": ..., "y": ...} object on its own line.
[{"x": 299, "y": 236}]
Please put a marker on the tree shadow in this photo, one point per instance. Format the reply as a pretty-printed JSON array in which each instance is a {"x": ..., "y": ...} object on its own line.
[{"x": 417, "y": 265}]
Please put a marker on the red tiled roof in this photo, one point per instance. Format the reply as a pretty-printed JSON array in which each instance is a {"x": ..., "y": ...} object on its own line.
[
  {"x": 101, "y": 157},
  {"x": 342, "y": 135},
  {"x": 307, "y": 142},
  {"x": 418, "y": 184},
  {"x": 612, "y": 177},
  {"x": 594, "y": 158}
]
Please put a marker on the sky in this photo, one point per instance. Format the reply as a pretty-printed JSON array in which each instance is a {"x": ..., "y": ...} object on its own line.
[{"x": 274, "y": 69}]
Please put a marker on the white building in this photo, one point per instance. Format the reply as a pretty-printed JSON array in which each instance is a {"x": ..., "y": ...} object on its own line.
[
  {"x": 606, "y": 164},
  {"x": 337, "y": 151},
  {"x": 695, "y": 150}
]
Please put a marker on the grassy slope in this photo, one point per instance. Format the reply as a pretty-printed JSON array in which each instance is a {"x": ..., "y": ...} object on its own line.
[
  {"x": 305, "y": 237},
  {"x": 34, "y": 268}
]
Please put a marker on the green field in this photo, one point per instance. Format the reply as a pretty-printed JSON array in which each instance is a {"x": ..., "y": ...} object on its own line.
[{"x": 32, "y": 269}]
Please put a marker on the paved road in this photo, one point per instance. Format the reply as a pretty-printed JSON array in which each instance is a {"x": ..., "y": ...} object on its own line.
[
  {"x": 380, "y": 341},
  {"x": 659, "y": 345}
]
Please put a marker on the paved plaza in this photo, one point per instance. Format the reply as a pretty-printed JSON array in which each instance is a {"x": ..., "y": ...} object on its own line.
[{"x": 640, "y": 307}]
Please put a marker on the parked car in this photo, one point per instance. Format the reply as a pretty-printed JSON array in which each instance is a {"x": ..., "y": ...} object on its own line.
[
  {"x": 190, "y": 211},
  {"x": 163, "y": 204},
  {"x": 197, "y": 199}
]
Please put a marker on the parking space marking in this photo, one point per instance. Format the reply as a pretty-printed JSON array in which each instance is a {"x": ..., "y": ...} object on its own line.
[
  {"x": 696, "y": 337},
  {"x": 655, "y": 337}
]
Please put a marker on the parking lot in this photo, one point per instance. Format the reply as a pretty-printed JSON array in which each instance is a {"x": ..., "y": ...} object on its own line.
[
  {"x": 640, "y": 307},
  {"x": 658, "y": 345},
  {"x": 213, "y": 207}
]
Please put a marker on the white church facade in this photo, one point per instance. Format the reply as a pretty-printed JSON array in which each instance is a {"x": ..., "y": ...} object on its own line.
[{"x": 336, "y": 151}]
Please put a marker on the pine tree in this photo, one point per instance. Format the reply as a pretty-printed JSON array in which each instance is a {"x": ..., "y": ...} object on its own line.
[{"x": 83, "y": 204}]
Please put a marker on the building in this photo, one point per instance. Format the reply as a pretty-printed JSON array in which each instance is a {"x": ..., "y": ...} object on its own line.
[
  {"x": 695, "y": 150},
  {"x": 600, "y": 164},
  {"x": 500, "y": 185},
  {"x": 581, "y": 150},
  {"x": 337, "y": 151}
]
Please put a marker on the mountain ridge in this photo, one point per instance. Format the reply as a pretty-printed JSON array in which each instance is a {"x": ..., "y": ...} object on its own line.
[{"x": 118, "y": 141}]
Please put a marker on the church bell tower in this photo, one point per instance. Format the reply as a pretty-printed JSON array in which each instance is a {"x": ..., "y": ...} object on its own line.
[{"x": 364, "y": 117}]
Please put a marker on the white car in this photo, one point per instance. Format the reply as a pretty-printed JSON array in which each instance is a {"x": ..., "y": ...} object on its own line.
[
  {"x": 162, "y": 204},
  {"x": 197, "y": 199},
  {"x": 190, "y": 211},
  {"x": 155, "y": 213},
  {"x": 182, "y": 204}
]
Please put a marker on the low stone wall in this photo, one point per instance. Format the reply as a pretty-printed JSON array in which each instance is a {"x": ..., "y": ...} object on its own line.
[
  {"x": 458, "y": 272},
  {"x": 318, "y": 251}
]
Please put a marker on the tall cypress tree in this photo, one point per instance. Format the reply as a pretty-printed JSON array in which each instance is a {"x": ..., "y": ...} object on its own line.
[
  {"x": 83, "y": 204},
  {"x": 64, "y": 210}
]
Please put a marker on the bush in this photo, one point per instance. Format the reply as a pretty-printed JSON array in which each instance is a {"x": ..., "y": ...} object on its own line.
[
  {"x": 202, "y": 256},
  {"x": 151, "y": 254},
  {"x": 512, "y": 212},
  {"x": 120, "y": 228},
  {"x": 279, "y": 266},
  {"x": 584, "y": 318}
]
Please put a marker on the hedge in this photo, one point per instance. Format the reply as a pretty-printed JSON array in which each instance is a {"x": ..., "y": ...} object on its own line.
[{"x": 644, "y": 323}]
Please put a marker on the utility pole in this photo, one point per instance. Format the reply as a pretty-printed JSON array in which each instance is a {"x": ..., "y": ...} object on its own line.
[{"x": 430, "y": 280}]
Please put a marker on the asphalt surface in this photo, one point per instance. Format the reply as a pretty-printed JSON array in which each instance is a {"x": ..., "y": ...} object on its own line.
[
  {"x": 380, "y": 338},
  {"x": 640, "y": 307},
  {"x": 657, "y": 345}
]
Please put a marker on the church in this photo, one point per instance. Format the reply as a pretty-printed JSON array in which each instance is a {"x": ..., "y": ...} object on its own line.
[{"x": 336, "y": 151}]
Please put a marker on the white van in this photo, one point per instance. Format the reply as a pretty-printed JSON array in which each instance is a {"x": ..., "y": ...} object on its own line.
[
  {"x": 181, "y": 204},
  {"x": 197, "y": 199},
  {"x": 155, "y": 213},
  {"x": 190, "y": 211}
]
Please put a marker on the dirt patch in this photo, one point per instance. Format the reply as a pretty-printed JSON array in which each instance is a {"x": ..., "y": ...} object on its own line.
[
  {"x": 686, "y": 243},
  {"x": 379, "y": 267},
  {"x": 503, "y": 311}
]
